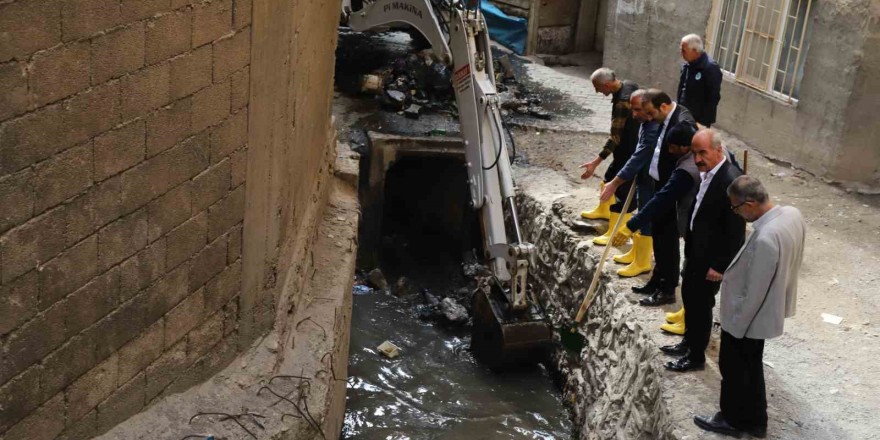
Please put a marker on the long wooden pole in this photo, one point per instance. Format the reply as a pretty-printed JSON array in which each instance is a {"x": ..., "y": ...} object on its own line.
[{"x": 591, "y": 292}]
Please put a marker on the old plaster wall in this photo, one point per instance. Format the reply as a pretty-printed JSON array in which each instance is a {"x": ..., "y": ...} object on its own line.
[
  {"x": 292, "y": 146},
  {"x": 827, "y": 127}
]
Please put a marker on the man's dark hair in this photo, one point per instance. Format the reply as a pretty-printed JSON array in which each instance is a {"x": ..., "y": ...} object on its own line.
[
  {"x": 657, "y": 98},
  {"x": 682, "y": 134}
]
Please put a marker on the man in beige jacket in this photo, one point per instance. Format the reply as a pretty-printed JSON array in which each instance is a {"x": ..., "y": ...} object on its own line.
[{"x": 757, "y": 294}]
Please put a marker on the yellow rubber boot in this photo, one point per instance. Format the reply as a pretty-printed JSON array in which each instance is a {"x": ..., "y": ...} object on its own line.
[
  {"x": 630, "y": 256},
  {"x": 678, "y": 316},
  {"x": 603, "y": 239},
  {"x": 603, "y": 211},
  {"x": 675, "y": 329},
  {"x": 644, "y": 246}
]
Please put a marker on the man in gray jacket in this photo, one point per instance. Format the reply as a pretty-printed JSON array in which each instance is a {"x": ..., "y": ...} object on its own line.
[{"x": 757, "y": 294}]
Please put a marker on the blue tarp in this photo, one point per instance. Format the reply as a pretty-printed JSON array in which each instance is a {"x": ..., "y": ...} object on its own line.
[{"x": 509, "y": 31}]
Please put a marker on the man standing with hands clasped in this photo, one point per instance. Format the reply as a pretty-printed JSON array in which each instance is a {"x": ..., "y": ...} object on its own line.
[{"x": 758, "y": 293}]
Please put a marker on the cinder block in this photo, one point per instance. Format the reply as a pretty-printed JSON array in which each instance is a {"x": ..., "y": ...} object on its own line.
[
  {"x": 169, "y": 210},
  {"x": 118, "y": 328},
  {"x": 169, "y": 35},
  {"x": 62, "y": 177},
  {"x": 226, "y": 213},
  {"x": 241, "y": 83},
  {"x": 211, "y": 106},
  {"x": 82, "y": 429},
  {"x": 17, "y": 199},
  {"x": 223, "y": 288},
  {"x": 91, "y": 113},
  {"x": 66, "y": 364},
  {"x": 18, "y": 301},
  {"x": 231, "y": 54},
  {"x": 19, "y": 397},
  {"x": 93, "y": 301},
  {"x": 27, "y": 246},
  {"x": 119, "y": 149},
  {"x": 162, "y": 372},
  {"x": 137, "y": 187},
  {"x": 211, "y": 20},
  {"x": 165, "y": 294},
  {"x": 28, "y": 26},
  {"x": 241, "y": 13},
  {"x": 239, "y": 166},
  {"x": 190, "y": 72},
  {"x": 211, "y": 185},
  {"x": 59, "y": 73},
  {"x": 31, "y": 138},
  {"x": 125, "y": 402},
  {"x": 205, "y": 336},
  {"x": 13, "y": 76},
  {"x": 146, "y": 90},
  {"x": 83, "y": 18},
  {"x": 141, "y": 270},
  {"x": 208, "y": 263},
  {"x": 38, "y": 135},
  {"x": 92, "y": 388},
  {"x": 135, "y": 356},
  {"x": 177, "y": 4},
  {"x": 31, "y": 342},
  {"x": 43, "y": 424},
  {"x": 99, "y": 206},
  {"x": 122, "y": 239},
  {"x": 169, "y": 126},
  {"x": 233, "y": 248},
  {"x": 184, "y": 317},
  {"x": 186, "y": 240},
  {"x": 180, "y": 163},
  {"x": 117, "y": 53},
  {"x": 68, "y": 271},
  {"x": 133, "y": 10},
  {"x": 229, "y": 136}
]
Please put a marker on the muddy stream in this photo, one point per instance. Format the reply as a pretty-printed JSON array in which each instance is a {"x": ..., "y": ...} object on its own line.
[{"x": 436, "y": 389}]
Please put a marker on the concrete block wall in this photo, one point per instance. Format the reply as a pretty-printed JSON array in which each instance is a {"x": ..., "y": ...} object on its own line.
[
  {"x": 123, "y": 159},
  {"x": 829, "y": 132}
]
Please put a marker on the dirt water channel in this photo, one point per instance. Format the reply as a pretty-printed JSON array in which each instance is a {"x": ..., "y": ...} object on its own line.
[{"x": 436, "y": 389}]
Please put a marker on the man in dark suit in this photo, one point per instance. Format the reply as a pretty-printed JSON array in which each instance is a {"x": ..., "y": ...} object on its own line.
[
  {"x": 714, "y": 235},
  {"x": 699, "y": 87},
  {"x": 664, "y": 279}
]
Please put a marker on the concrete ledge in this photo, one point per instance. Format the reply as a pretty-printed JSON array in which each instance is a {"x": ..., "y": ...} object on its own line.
[{"x": 304, "y": 358}]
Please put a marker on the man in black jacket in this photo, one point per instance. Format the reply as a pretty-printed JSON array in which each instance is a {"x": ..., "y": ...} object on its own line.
[
  {"x": 714, "y": 235},
  {"x": 664, "y": 279},
  {"x": 699, "y": 87}
]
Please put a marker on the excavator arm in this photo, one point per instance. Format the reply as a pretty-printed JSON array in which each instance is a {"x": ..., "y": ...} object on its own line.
[{"x": 459, "y": 36}]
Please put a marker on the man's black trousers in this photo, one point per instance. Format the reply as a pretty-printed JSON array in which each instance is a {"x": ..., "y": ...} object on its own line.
[
  {"x": 667, "y": 256},
  {"x": 743, "y": 396},
  {"x": 698, "y": 296}
]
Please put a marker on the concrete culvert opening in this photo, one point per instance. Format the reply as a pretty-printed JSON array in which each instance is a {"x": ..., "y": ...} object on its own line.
[{"x": 425, "y": 239}]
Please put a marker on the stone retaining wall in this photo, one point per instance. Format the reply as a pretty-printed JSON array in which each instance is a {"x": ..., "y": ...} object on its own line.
[{"x": 614, "y": 385}]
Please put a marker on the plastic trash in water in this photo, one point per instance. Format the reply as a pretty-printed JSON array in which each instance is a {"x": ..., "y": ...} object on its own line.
[{"x": 361, "y": 289}]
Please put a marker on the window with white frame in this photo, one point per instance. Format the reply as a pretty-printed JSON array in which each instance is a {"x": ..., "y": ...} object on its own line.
[{"x": 761, "y": 43}]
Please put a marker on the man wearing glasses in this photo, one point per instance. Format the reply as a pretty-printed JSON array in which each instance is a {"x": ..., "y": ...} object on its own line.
[{"x": 758, "y": 293}]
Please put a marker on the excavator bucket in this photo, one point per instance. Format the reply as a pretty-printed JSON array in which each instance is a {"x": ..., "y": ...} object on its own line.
[{"x": 502, "y": 337}]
